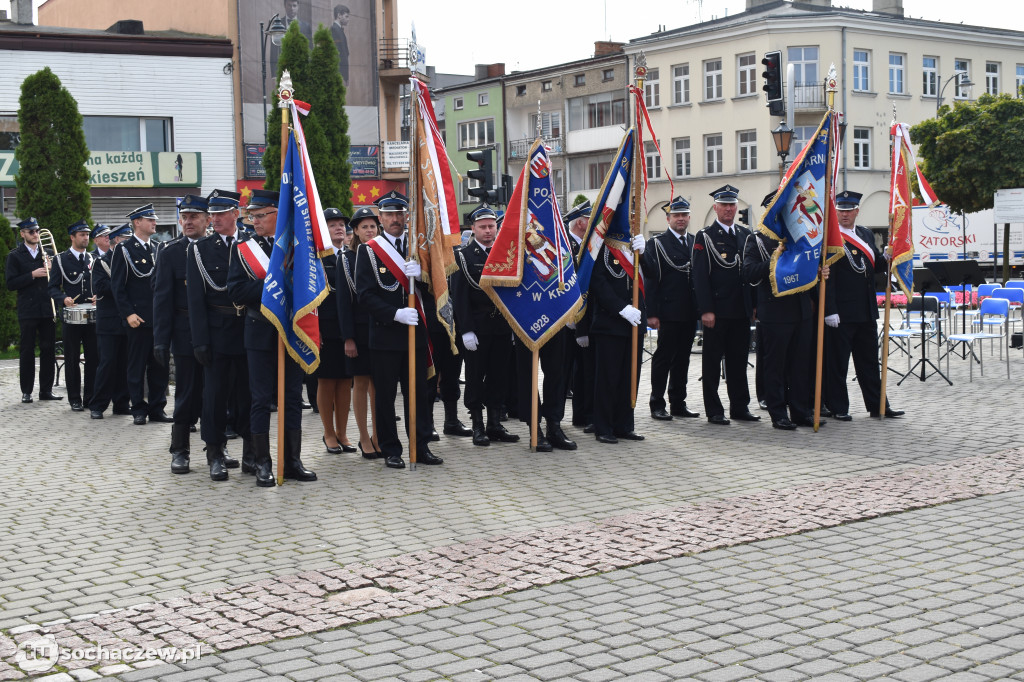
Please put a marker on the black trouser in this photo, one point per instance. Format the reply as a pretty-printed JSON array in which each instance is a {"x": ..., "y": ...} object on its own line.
[
  {"x": 447, "y": 368},
  {"x": 263, "y": 386},
  {"x": 671, "y": 363},
  {"x": 786, "y": 381},
  {"x": 613, "y": 414},
  {"x": 144, "y": 372},
  {"x": 391, "y": 369},
  {"x": 859, "y": 339},
  {"x": 46, "y": 329},
  {"x": 77, "y": 337},
  {"x": 188, "y": 389},
  {"x": 552, "y": 363},
  {"x": 111, "y": 373},
  {"x": 220, "y": 386},
  {"x": 487, "y": 370},
  {"x": 582, "y": 384},
  {"x": 729, "y": 338},
  {"x": 758, "y": 363}
]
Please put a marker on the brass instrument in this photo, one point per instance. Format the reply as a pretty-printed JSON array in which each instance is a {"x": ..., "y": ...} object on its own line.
[{"x": 46, "y": 242}]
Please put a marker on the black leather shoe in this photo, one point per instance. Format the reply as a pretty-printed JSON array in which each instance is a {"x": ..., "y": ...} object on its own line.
[
  {"x": 139, "y": 419},
  {"x": 610, "y": 440},
  {"x": 632, "y": 435},
  {"x": 842, "y": 417},
  {"x": 26, "y": 397},
  {"x": 230, "y": 433},
  {"x": 434, "y": 437},
  {"x": 718, "y": 419},
  {"x": 558, "y": 439},
  {"x": 76, "y": 406},
  {"x": 347, "y": 448},
  {"x": 456, "y": 428},
  {"x": 762, "y": 404},
  {"x": 218, "y": 472},
  {"x": 683, "y": 412},
  {"x": 543, "y": 444},
  {"x": 589, "y": 428},
  {"x": 160, "y": 418},
  {"x": 394, "y": 462},
  {"x": 429, "y": 458},
  {"x": 230, "y": 462},
  {"x": 192, "y": 428},
  {"x": 50, "y": 396},
  {"x": 783, "y": 424},
  {"x": 661, "y": 415},
  {"x": 497, "y": 432},
  {"x": 809, "y": 421},
  {"x": 825, "y": 412},
  {"x": 306, "y": 406},
  {"x": 179, "y": 463},
  {"x": 95, "y": 414},
  {"x": 330, "y": 450},
  {"x": 745, "y": 417},
  {"x": 889, "y": 413},
  {"x": 372, "y": 454}
]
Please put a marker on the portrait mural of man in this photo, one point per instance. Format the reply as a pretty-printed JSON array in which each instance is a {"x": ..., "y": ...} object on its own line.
[{"x": 341, "y": 17}]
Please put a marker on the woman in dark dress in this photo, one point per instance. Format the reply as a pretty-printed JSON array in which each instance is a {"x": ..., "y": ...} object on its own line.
[
  {"x": 355, "y": 330},
  {"x": 334, "y": 383}
]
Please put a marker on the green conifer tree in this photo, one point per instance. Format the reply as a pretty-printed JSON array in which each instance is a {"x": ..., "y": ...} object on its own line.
[{"x": 9, "y": 330}]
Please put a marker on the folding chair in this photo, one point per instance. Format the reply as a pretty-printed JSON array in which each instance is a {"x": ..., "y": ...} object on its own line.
[
  {"x": 924, "y": 312},
  {"x": 994, "y": 312}
]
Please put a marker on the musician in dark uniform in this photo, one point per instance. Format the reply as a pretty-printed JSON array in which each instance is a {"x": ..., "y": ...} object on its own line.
[
  {"x": 786, "y": 337},
  {"x": 486, "y": 335},
  {"x": 382, "y": 294},
  {"x": 111, "y": 338},
  {"x": 851, "y": 311},
  {"x": 672, "y": 310},
  {"x": 26, "y": 274},
  {"x": 580, "y": 352},
  {"x": 217, "y": 327},
  {"x": 131, "y": 269},
  {"x": 171, "y": 333},
  {"x": 725, "y": 306},
  {"x": 100, "y": 236},
  {"x": 245, "y": 285},
  {"x": 71, "y": 285}
]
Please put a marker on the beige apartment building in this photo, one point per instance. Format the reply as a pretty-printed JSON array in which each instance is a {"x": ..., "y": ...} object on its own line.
[{"x": 708, "y": 109}]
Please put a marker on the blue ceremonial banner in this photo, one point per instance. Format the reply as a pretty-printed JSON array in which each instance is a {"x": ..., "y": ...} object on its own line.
[
  {"x": 609, "y": 219},
  {"x": 295, "y": 284},
  {"x": 801, "y": 214},
  {"x": 529, "y": 273}
]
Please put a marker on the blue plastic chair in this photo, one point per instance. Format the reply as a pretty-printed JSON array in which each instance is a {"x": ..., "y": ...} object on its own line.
[{"x": 994, "y": 312}]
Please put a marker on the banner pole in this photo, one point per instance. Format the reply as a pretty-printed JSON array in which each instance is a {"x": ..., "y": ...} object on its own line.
[
  {"x": 534, "y": 408},
  {"x": 640, "y": 72},
  {"x": 820, "y": 351},
  {"x": 412, "y": 253},
  {"x": 888, "y": 277},
  {"x": 285, "y": 98}
]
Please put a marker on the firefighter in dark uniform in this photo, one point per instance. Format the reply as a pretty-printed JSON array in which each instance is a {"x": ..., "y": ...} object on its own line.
[
  {"x": 383, "y": 296},
  {"x": 447, "y": 371},
  {"x": 131, "y": 270},
  {"x": 171, "y": 333},
  {"x": 217, "y": 327},
  {"x": 672, "y": 310},
  {"x": 111, "y": 339},
  {"x": 725, "y": 306},
  {"x": 70, "y": 285},
  {"x": 581, "y": 354},
  {"x": 246, "y": 289},
  {"x": 486, "y": 335},
  {"x": 100, "y": 237},
  {"x": 851, "y": 317}
]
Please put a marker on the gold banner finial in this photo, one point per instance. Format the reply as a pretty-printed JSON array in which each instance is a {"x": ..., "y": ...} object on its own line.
[
  {"x": 640, "y": 69},
  {"x": 284, "y": 90}
]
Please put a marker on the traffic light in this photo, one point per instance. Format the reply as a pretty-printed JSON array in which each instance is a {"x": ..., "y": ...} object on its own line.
[
  {"x": 743, "y": 216},
  {"x": 506, "y": 190},
  {"x": 773, "y": 82},
  {"x": 484, "y": 175}
]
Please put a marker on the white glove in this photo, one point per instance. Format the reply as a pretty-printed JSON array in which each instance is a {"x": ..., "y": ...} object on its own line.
[
  {"x": 412, "y": 268},
  {"x": 470, "y": 341},
  {"x": 888, "y": 253},
  {"x": 631, "y": 315},
  {"x": 832, "y": 320},
  {"x": 407, "y": 316},
  {"x": 583, "y": 341},
  {"x": 570, "y": 325},
  {"x": 639, "y": 243}
]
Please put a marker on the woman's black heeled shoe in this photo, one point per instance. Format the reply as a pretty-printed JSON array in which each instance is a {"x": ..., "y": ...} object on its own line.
[
  {"x": 346, "y": 448},
  {"x": 333, "y": 451},
  {"x": 368, "y": 455}
]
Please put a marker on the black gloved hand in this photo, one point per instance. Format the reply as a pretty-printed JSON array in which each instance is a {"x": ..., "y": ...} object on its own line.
[{"x": 203, "y": 355}]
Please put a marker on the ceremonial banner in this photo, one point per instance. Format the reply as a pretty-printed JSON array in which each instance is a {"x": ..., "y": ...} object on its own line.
[
  {"x": 320, "y": 234},
  {"x": 529, "y": 273},
  {"x": 901, "y": 236},
  {"x": 803, "y": 213},
  {"x": 295, "y": 284}
]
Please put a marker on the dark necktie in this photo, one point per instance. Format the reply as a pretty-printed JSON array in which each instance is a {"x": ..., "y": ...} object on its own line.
[
  {"x": 400, "y": 246},
  {"x": 229, "y": 241}
]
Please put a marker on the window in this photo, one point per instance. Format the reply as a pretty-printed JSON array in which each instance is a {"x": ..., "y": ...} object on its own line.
[
  {"x": 579, "y": 79},
  {"x": 652, "y": 89},
  {"x": 653, "y": 161},
  {"x": 550, "y": 122},
  {"x": 588, "y": 172},
  {"x": 992, "y": 78},
  {"x": 681, "y": 84},
  {"x": 520, "y": 91},
  {"x": 801, "y": 136},
  {"x": 807, "y": 90},
  {"x": 747, "y": 143},
  {"x": 608, "y": 75},
  {"x": 596, "y": 111},
  {"x": 747, "y": 75},
  {"x": 9, "y": 133},
  {"x": 596, "y": 173},
  {"x": 862, "y": 147},
  {"x": 681, "y": 154},
  {"x": 713, "y": 79},
  {"x": 861, "y": 70},
  {"x": 482, "y": 99},
  {"x": 712, "y": 154},
  {"x": 1020, "y": 80},
  {"x": 457, "y": 103},
  {"x": 464, "y": 187},
  {"x": 476, "y": 134},
  {"x": 127, "y": 133},
  {"x": 962, "y": 66},
  {"x": 896, "y": 72},
  {"x": 930, "y": 77},
  {"x": 545, "y": 86}
]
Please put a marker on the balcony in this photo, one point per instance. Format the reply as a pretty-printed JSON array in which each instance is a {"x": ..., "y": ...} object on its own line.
[
  {"x": 394, "y": 60},
  {"x": 808, "y": 96},
  {"x": 518, "y": 149}
]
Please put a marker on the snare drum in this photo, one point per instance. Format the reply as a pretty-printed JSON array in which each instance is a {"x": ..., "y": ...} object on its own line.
[{"x": 83, "y": 313}]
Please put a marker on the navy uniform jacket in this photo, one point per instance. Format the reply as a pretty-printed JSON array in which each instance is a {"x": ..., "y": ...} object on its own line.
[
  {"x": 246, "y": 289},
  {"x": 108, "y": 320},
  {"x": 850, "y": 291},
  {"x": 757, "y": 256},
  {"x": 33, "y": 297},
  {"x": 213, "y": 318},
  {"x": 330, "y": 326},
  {"x": 381, "y": 295},
  {"x": 474, "y": 310},
  {"x": 666, "y": 263},
  {"x": 611, "y": 290},
  {"x": 350, "y": 313},
  {"x": 583, "y": 325},
  {"x": 717, "y": 282},
  {"x": 131, "y": 280},
  {"x": 72, "y": 277},
  {"x": 170, "y": 299}
]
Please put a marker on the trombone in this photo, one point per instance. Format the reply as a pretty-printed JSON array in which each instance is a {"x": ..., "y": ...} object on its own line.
[{"x": 46, "y": 242}]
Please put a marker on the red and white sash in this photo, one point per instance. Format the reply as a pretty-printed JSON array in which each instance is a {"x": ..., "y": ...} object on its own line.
[
  {"x": 253, "y": 255},
  {"x": 854, "y": 240},
  {"x": 393, "y": 261},
  {"x": 625, "y": 258}
]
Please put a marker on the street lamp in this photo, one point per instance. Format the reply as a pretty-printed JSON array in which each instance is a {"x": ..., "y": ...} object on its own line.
[
  {"x": 963, "y": 81},
  {"x": 275, "y": 32},
  {"x": 783, "y": 136}
]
